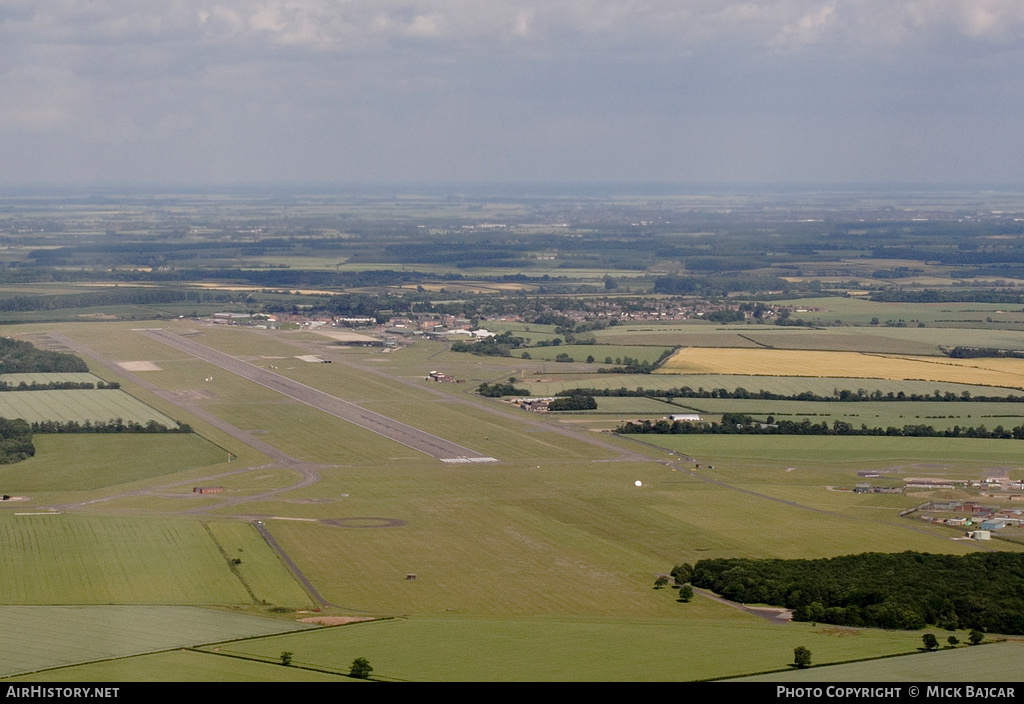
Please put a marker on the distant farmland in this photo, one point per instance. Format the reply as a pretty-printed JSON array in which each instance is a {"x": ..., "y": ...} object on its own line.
[{"x": 805, "y": 363}]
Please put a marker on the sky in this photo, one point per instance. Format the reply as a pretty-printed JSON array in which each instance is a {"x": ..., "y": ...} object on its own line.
[{"x": 267, "y": 92}]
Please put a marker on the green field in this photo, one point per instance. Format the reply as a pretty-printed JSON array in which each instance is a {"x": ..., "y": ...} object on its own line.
[
  {"x": 258, "y": 567},
  {"x": 42, "y": 637},
  {"x": 847, "y": 453},
  {"x": 549, "y": 552},
  {"x": 988, "y": 663},
  {"x": 179, "y": 666},
  {"x": 635, "y": 405},
  {"x": 940, "y": 415},
  {"x": 522, "y": 648},
  {"x": 71, "y": 559},
  {"x": 80, "y": 406},
  {"x": 549, "y": 384},
  {"x": 862, "y": 338},
  {"x": 106, "y": 459},
  {"x": 600, "y": 353}
]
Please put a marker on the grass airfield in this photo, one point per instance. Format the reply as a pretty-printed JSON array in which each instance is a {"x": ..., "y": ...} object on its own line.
[{"x": 540, "y": 566}]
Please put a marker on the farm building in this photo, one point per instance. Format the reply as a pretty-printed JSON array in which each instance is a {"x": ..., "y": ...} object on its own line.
[
  {"x": 442, "y": 377},
  {"x": 685, "y": 417},
  {"x": 865, "y": 488},
  {"x": 928, "y": 484},
  {"x": 229, "y": 318},
  {"x": 533, "y": 404}
]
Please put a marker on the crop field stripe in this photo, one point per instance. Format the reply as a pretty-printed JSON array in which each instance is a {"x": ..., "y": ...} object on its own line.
[
  {"x": 368, "y": 420},
  {"x": 42, "y": 637},
  {"x": 701, "y": 360},
  {"x": 79, "y": 405},
  {"x": 67, "y": 559}
]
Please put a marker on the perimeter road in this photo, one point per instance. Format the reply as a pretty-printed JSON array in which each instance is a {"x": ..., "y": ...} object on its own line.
[{"x": 374, "y": 422}]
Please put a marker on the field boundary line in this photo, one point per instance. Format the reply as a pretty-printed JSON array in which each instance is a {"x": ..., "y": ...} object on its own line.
[
  {"x": 262, "y": 529},
  {"x": 824, "y": 665},
  {"x": 263, "y": 661},
  {"x": 227, "y": 560}
]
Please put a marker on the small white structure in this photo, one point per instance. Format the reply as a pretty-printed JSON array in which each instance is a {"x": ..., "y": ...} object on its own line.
[
  {"x": 979, "y": 535},
  {"x": 685, "y": 417}
]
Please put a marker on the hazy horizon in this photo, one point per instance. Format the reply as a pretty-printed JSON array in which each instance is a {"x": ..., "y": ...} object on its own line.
[{"x": 327, "y": 93}]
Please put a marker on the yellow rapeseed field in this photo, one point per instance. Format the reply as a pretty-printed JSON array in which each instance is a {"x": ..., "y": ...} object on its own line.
[{"x": 716, "y": 360}]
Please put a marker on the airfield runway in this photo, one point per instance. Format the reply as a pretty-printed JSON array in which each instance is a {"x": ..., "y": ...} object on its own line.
[{"x": 374, "y": 422}]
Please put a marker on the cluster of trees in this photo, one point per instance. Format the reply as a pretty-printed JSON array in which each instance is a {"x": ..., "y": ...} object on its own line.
[
  {"x": 501, "y": 389},
  {"x": 497, "y": 346},
  {"x": 1007, "y": 296},
  {"x": 742, "y": 424},
  {"x": 909, "y": 590},
  {"x": 57, "y": 385},
  {"x": 114, "y": 425},
  {"x": 725, "y": 316},
  {"x": 17, "y": 357},
  {"x": 636, "y": 366},
  {"x": 573, "y": 403},
  {"x": 842, "y": 395},
  {"x": 974, "y": 352},
  {"x": 15, "y": 441}
]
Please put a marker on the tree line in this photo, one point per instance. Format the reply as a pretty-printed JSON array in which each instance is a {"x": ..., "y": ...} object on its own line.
[
  {"x": 975, "y": 352},
  {"x": 57, "y": 385},
  {"x": 741, "y": 424},
  {"x": 838, "y": 395},
  {"x": 907, "y": 590},
  {"x": 18, "y": 357},
  {"x": 573, "y": 403},
  {"x": 499, "y": 389},
  {"x": 114, "y": 425},
  {"x": 15, "y": 441},
  {"x": 117, "y": 296}
]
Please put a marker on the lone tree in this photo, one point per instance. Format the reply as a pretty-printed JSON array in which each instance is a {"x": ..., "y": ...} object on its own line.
[
  {"x": 801, "y": 657},
  {"x": 975, "y": 637},
  {"x": 286, "y": 658},
  {"x": 930, "y": 641},
  {"x": 660, "y": 582},
  {"x": 361, "y": 669},
  {"x": 953, "y": 641},
  {"x": 685, "y": 593}
]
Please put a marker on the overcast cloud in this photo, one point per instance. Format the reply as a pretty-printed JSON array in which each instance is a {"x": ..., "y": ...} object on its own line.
[{"x": 299, "y": 91}]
